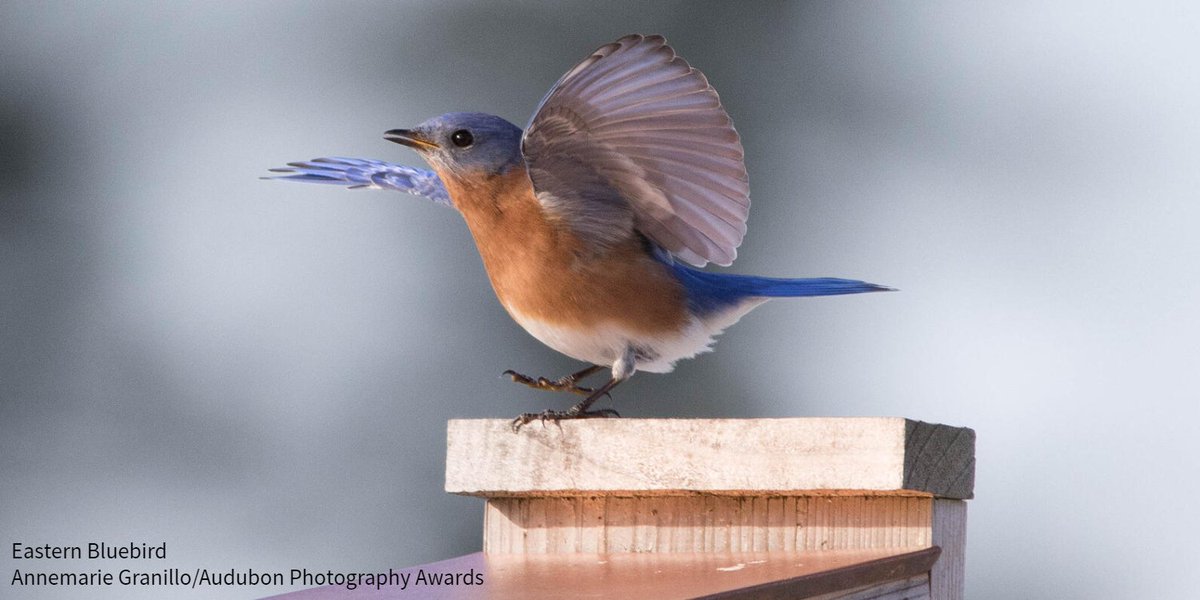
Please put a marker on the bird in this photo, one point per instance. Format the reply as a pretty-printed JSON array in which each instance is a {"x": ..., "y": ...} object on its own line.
[{"x": 595, "y": 221}]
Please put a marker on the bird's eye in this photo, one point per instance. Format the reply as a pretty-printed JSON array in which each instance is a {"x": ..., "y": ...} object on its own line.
[{"x": 462, "y": 138}]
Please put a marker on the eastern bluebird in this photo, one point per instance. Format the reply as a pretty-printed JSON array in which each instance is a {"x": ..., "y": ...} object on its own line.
[{"x": 629, "y": 168}]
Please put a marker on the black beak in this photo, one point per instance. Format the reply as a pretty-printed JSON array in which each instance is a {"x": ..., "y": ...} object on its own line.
[{"x": 411, "y": 138}]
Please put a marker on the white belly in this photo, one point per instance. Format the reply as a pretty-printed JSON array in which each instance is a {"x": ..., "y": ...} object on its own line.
[{"x": 605, "y": 343}]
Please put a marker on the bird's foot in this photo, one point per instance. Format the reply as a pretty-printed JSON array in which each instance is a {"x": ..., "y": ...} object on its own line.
[
  {"x": 560, "y": 415},
  {"x": 566, "y": 384},
  {"x": 562, "y": 384}
]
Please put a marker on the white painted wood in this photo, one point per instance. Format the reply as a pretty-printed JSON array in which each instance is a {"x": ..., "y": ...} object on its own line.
[{"x": 726, "y": 456}]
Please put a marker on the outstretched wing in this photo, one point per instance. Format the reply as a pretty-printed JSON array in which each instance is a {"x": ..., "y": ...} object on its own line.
[
  {"x": 366, "y": 173},
  {"x": 635, "y": 120}
]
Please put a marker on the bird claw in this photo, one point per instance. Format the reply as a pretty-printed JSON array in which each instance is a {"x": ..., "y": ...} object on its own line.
[
  {"x": 563, "y": 384},
  {"x": 561, "y": 415}
]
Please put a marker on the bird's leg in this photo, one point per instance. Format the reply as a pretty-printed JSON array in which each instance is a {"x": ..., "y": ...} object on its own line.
[
  {"x": 579, "y": 411},
  {"x": 562, "y": 384},
  {"x": 622, "y": 369}
]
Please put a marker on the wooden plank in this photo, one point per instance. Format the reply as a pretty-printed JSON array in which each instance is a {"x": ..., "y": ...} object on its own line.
[
  {"x": 897, "y": 577},
  {"x": 722, "y": 456},
  {"x": 913, "y": 588},
  {"x": 617, "y": 524},
  {"x": 726, "y": 576},
  {"x": 948, "y": 578}
]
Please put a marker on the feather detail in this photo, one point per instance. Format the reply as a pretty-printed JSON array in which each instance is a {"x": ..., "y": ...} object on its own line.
[
  {"x": 635, "y": 124},
  {"x": 356, "y": 173}
]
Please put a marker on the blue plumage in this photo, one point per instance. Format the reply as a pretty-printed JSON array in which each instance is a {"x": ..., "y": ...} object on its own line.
[
  {"x": 630, "y": 156},
  {"x": 367, "y": 173},
  {"x": 712, "y": 292}
]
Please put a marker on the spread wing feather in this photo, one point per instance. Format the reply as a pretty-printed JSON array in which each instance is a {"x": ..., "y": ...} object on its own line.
[
  {"x": 633, "y": 138},
  {"x": 366, "y": 173}
]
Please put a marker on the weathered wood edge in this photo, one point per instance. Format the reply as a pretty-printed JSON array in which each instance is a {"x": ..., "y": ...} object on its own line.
[
  {"x": 873, "y": 455},
  {"x": 947, "y": 579},
  {"x": 873, "y": 572},
  {"x": 757, "y": 493},
  {"x": 939, "y": 459},
  {"x": 502, "y": 582}
]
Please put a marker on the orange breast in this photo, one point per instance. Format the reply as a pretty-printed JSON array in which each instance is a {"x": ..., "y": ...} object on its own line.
[{"x": 539, "y": 268}]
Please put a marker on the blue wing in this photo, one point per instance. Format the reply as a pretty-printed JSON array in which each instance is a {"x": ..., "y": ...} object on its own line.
[{"x": 366, "y": 173}]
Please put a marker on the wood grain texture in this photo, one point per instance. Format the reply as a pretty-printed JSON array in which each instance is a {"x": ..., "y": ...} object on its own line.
[
  {"x": 656, "y": 487},
  {"x": 948, "y": 578},
  {"x": 721, "y": 456},
  {"x": 619, "y": 524},
  {"x": 893, "y": 578},
  {"x": 913, "y": 588}
]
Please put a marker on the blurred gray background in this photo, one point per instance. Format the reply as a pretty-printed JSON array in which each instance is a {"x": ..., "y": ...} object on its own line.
[{"x": 259, "y": 373}]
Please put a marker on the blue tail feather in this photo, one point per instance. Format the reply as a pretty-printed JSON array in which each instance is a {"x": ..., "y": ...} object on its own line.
[{"x": 708, "y": 292}]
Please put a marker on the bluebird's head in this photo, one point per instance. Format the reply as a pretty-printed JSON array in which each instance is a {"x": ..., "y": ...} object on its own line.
[{"x": 459, "y": 144}]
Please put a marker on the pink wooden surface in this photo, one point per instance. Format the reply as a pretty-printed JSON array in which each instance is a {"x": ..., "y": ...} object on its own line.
[{"x": 742, "y": 575}]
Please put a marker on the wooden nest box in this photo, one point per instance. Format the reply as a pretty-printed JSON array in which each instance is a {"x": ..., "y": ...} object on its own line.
[{"x": 684, "y": 508}]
